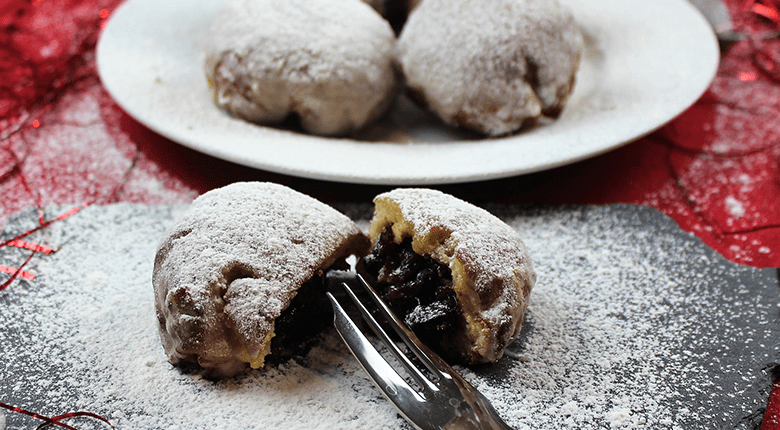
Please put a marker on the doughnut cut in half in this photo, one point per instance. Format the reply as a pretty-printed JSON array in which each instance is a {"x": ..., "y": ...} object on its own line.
[
  {"x": 239, "y": 276},
  {"x": 458, "y": 276}
]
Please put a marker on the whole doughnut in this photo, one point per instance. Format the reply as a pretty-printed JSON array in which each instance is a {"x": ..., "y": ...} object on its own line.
[
  {"x": 331, "y": 62},
  {"x": 491, "y": 66}
]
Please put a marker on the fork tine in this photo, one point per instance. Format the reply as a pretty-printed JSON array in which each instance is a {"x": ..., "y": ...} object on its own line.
[
  {"x": 380, "y": 371},
  {"x": 413, "y": 370},
  {"x": 449, "y": 403},
  {"x": 407, "y": 336}
]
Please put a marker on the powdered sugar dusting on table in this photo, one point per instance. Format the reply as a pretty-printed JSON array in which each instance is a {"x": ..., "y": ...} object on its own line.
[{"x": 620, "y": 334}]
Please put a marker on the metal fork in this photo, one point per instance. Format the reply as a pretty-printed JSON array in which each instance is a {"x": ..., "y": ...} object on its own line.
[{"x": 442, "y": 398}]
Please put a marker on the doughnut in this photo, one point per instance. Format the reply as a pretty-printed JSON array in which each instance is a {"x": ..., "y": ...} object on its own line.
[
  {"x": 491, "y": 66},
  {"x": 328, "y": 63},
  {"x": 457, "y": 275},
  {"x": 234, "y": 275}
]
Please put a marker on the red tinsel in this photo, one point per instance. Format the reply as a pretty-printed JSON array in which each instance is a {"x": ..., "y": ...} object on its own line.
[
  {"x": 16, "y": 272},
  {"x": 19, "y": 243},
  {"x": 767, "y": 9}
]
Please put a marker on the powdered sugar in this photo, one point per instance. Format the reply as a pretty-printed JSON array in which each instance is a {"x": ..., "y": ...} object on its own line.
[
  {"x": 632, "y": 324},
  {"x": 735, "y": 207}
]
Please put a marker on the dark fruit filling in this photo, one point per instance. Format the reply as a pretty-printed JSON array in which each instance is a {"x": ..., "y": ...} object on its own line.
[
  {"x": 396, "y": 14},
  {"x": 297, "y": 328},
  {"x": 417, "y": 288}
]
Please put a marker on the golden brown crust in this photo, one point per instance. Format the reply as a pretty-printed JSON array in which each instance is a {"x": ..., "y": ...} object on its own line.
[
  {"x": 491, "y": 269},
  {"x": 232, "y": 264}
]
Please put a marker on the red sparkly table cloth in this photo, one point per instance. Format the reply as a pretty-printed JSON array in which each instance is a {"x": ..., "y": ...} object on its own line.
[{"x": 715, "y": 169}]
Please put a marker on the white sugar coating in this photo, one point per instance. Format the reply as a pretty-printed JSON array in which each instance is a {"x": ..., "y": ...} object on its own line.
[
  {"x": 616, "y": 336},
  {"x": 232, "y": 264},
  {"x": 329, "y": 61},
  {"x": 735, "y": 207},
  {"x": 490, "y": 65},
  {"x": 492, "y": 273}
]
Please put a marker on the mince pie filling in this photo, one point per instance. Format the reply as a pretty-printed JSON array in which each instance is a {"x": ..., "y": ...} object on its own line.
[
  {"x": 417, "y": 288},
  {"x": 298, "y": 327}
]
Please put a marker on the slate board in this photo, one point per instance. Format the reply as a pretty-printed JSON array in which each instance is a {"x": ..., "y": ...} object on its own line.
[{"x": 718, "y": 358}]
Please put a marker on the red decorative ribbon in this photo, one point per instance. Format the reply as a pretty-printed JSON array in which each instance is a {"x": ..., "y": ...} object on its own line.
[
  {"x": 767, "y": 9},
  {"x": 55, "y": 420},
  {"x": 31, "y": 246},
  {"x": 766, "y": 51},
  {"x": 17, "y": 272},
  {"x": 19, "y": 243}
]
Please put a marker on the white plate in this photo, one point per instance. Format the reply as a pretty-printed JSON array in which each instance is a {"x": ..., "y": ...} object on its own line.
[{"x": 645, "y": 62}]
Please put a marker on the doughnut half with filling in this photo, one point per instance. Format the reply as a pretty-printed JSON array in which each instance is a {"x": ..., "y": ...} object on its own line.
[
  {"x": 239, "y": 276},
  {"x": 492, "y": 66},
  {"x": 458, "y": 276},
  {"x": 328, "y": 62}
]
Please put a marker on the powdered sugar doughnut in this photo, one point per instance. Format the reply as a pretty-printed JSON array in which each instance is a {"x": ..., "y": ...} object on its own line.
[
  {"x": 328, "y": 61},
  {"x": 236, "y": 266},
  {"x": 490, "y": 65},
  {"x": 459, "y": 276}
]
